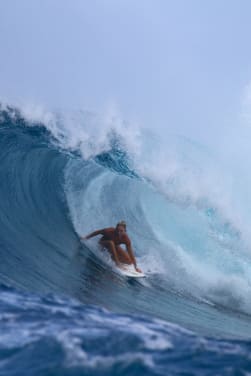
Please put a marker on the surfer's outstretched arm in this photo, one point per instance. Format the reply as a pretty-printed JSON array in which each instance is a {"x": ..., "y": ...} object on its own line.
[
  {"x": 92, "y": 234},
  {"x": 132, "y": 257}
]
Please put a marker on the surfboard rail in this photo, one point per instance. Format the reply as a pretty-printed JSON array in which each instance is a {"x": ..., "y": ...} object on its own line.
[{"x": 129, "y": 271}]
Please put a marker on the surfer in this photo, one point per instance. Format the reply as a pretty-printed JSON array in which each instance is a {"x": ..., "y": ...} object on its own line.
[{"x": 111, "y": 240}]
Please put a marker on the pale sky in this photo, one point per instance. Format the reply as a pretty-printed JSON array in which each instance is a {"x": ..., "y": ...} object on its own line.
[{"x": 181, "y": 64}]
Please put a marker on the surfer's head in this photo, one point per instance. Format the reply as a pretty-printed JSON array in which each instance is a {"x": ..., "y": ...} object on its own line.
[{"x": 121, "y": 227}]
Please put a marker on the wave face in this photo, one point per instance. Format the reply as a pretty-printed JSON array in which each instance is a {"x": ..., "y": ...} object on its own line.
[{"x": 58, "y": 182}]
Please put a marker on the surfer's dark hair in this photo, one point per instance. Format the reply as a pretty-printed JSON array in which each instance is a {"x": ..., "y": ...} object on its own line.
[{"x": 121, "y": 223}]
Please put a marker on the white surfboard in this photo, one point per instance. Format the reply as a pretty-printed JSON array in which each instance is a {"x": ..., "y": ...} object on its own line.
[{"x": 129, "y": 271}]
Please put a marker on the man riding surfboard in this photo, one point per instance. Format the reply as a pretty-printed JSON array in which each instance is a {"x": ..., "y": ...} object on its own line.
[{"x": 111, "y": 240}]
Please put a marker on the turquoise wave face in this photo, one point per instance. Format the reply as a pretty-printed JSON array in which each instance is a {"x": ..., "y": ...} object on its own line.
[
  {"x": 196, "y": 261},
  {"x": 178, "y": 246}
]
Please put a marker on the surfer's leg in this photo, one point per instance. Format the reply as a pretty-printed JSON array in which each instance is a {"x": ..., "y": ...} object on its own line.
[
  {"x": 123, "y": 255},
  {"x": 110, "y": 246}
]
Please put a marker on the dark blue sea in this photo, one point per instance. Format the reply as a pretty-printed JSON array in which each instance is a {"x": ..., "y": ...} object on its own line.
[{"x": 64, "y": 310}]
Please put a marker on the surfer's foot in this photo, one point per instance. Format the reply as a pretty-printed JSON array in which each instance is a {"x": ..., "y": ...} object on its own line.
[
  {"x": 122, "y": 266},
  {"x": 138, "y": 270}
]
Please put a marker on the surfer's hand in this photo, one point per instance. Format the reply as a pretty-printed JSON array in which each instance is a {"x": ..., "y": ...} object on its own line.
[{"x": 138, "y": 270}]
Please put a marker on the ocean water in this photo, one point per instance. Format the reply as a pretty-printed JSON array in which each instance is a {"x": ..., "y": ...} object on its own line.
[{"x": 63, "y": 311}]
